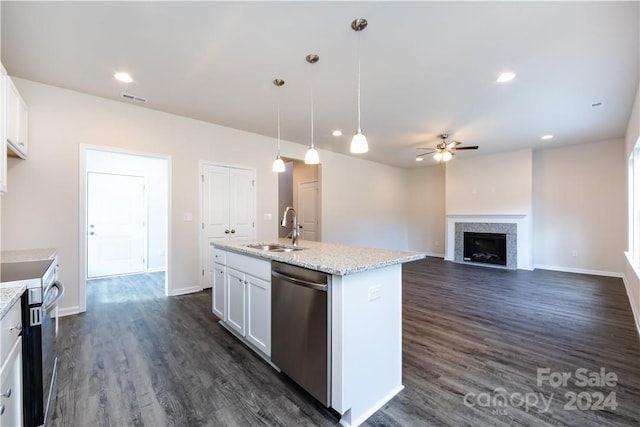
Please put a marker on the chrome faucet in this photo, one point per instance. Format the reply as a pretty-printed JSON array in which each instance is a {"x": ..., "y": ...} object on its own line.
[{"x": 295, "y": 233}]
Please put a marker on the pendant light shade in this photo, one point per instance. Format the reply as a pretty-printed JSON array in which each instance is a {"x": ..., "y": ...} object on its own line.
[
  {"x": 312, "y": 157},
  {"x": 359, "y": 143},
  {"x": 278, "y": 163}
]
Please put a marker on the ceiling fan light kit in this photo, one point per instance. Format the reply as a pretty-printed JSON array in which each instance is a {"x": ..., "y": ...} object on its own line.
[
  {"x": 443, "y": 152},
  {"x": 359, "y": 142},
  {"x": 278, "y": 163}
]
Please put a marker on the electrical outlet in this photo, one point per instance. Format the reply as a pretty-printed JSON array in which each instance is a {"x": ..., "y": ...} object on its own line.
[
  {"x": 437, "y": 242},
  {"x": 574, "y": 253},
  {"x": 374, "y": 292}
]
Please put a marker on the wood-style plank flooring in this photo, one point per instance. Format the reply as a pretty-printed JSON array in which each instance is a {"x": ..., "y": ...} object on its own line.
[{"x": 137, "y": 358}]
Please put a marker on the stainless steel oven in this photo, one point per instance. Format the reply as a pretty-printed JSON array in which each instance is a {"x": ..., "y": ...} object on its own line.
[{"x": 39, "y": 319}]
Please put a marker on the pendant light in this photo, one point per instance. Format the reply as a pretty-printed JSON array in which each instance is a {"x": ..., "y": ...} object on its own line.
[
  {"x": 359, "y": 143},
  {"x": 312, "y": 157},
  {"x": 278, "y": 163}
]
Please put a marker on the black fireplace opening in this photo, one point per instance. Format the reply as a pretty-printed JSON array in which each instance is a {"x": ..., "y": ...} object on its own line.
[{"x": 487, "y": 248}]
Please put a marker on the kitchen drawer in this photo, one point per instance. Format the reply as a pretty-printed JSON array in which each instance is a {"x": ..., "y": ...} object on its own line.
[
  {"x": 254, "y": 266},
  {"x": 10, "y": 327},
  {"x": 219, "y": 256}
]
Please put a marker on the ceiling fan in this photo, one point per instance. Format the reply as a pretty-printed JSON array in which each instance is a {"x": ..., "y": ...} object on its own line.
[{"x": 444, "y": 151}]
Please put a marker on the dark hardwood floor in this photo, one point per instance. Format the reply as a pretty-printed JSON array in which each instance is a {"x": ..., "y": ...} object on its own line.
[{"x": 470, "y": 334}]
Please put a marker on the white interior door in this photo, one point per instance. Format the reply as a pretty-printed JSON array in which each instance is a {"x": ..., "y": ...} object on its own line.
[
  {"x": 308, "y": 210},
  {"x": 116, "y": 215},
  {"x": 228, "y": 211},
  {"x": 242, "y": 209}
]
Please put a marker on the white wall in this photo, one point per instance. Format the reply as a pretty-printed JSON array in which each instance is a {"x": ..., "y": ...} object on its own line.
[
  {"x": 632, "y": 275},
  {"x": 363, "y": 203},
  {"x": 427, "y": 220},
  {"x": 41, "y": 207},
  {"x": 579, "y": 207},
  {"x": 155, "y": 171},
  {"x": 495, "y": 184}
]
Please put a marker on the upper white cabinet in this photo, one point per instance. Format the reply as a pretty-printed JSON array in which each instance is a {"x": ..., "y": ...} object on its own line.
[
  {"x": 17, "y": 120},
  {"x": 3, "y": 128}
]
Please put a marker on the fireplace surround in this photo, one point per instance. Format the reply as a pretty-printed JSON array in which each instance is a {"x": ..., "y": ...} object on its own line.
[{"x": 516, "y": 226}]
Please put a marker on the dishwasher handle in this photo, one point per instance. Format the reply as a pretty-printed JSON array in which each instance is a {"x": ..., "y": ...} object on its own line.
[{"x": 299, "y": 282}]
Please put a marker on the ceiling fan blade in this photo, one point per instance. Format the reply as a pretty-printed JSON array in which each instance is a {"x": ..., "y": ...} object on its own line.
[
  {"x": 453, "y": 144},
  {"x": 470, "y": 147},
  {"x": 425, "y": 154}
]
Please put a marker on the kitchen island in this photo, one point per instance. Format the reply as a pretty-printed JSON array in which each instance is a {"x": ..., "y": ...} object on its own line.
[{"x": 364, "y": 312}]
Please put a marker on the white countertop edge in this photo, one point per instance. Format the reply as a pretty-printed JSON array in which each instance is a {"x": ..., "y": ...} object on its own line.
[
  {"x": 293, "y": 258},
  {"x": 9, "y": 295}
]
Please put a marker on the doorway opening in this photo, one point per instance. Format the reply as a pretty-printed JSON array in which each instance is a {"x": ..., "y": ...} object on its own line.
[
  {"x": 299, "y": 186},
  {"x": 124, "y": 204}
]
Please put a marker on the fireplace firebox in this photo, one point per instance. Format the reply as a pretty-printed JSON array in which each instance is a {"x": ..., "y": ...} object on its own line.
[{"x": 487, "y": 248}]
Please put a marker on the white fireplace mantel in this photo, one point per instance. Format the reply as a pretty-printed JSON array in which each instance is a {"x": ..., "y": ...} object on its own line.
[{"x": 524, "y": 241}]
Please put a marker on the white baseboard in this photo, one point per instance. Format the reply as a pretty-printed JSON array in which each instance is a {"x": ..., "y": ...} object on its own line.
[
  {"x": 184, "y": 291},
  {"x": 156, "y": 270},
  {"x": 62, "y": 312},
  {"x": 634, "y": 308},
  {"x": 579, "y": 270},
  {"x": 435, "y": 255}
]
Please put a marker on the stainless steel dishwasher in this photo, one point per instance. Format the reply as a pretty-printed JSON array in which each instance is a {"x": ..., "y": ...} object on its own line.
[{"x": 300, "y": 331}]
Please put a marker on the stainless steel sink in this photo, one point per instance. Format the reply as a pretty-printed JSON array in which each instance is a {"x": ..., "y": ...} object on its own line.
[{"x": 273, "y": 247}]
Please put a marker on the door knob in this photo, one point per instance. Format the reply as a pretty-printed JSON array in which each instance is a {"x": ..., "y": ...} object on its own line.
[{"x": 226, "y": 231}]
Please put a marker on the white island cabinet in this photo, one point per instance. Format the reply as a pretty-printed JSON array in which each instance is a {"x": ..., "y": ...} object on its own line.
[
  {"x": 10, "y": 356},
  {"x": 365, "y": 312},
  {"x": 242, "y": 297}
]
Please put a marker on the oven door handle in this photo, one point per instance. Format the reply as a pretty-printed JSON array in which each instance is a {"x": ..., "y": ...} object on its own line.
[{"x": 50, "y": 305}]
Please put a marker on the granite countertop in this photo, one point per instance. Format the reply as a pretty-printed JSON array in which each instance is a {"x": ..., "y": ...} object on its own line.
[
  {"x": 329, "y": 258},
  {"x": 28, "y": 255},
  {"x": 8, "y": 296}
]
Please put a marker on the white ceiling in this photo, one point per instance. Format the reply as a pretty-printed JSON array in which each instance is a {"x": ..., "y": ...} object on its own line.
[{"x": 427, "y": 67}]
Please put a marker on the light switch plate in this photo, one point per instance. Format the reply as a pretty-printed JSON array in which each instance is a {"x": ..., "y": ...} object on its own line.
[
  {"x": 268, "y": 217},
  {"x": 188, "y": 216}
]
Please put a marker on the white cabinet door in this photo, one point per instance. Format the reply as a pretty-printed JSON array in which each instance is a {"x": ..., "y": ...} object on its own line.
[
  {"x": 17, "y": 119},
  {"x": 259, "y": 313},
  {"x": 228, "y": 210},
  {"x": 218, "y": 293},
  {"x": 11, "y": 387},
  {"x": 236, "y": 300}
]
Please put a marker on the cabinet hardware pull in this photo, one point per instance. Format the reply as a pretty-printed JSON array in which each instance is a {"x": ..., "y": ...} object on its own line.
[
  {"x": 226, "y": 231},
  {"x": 6, "y": 393},
  {"x": 1, "y": 409},
  {"x": 18, "y": 327}
]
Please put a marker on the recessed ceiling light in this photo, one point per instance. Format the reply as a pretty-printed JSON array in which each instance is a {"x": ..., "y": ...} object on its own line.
[
  {"x": 506, "y": 77},
  {"x": 419, "y": 159},
  {"x": 337, "y": 133},
  {"x": 546, "y": 137},
  {"x": 123, "y": 77}
]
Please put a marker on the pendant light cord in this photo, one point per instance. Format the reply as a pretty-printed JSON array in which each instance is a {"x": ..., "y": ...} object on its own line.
[
  {"x": 278, "y": 126},
  {"x": 359, "y": 126},
  {"x": 312, "y": 146}
]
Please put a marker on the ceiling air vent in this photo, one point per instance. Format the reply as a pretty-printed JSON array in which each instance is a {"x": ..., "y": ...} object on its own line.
[{"x": 134, "y": 97}]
